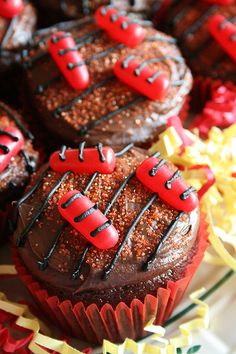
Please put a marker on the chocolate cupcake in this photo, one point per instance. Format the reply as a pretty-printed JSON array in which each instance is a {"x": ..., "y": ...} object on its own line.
[
  {"x": 106, "y": 108},
  {"x": 205, "y": 33},
  {"x": 18, "y": 160},
  {"x": 135, "y": 244},
  {"x": 17, "y": 23}
]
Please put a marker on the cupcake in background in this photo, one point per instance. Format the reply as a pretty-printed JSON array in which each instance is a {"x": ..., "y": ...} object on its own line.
[
  {"x": 106, "y": 78},
  {"x": 108, "y": 240},
  {"x": 205, "y": 32},
  {"x": 58, "y": 10},
  {"x": 17, "y": 23},
  {"x": 18, "y": 160}
]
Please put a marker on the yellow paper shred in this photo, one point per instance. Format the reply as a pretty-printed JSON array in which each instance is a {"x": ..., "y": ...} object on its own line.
[
  {"x": 219, "y": 202},
  {"x": 8, "y": 270}
]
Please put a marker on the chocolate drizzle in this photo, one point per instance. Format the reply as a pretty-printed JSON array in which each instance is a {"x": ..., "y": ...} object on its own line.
[
  {"x": 30, "y": 167},
  {"x": 200, "y": 21},
  {"x": 175, "y": 176},
  {"x": 108, "y": 269},
  {"x": 3, "y": 132},
  {"x": 186, "y": 193},
  {"x": 26, "y": 132},
  {"x": 4, "y": 149},
  {"x": 44, "y": 263},
  {"x": 151, "y": 258},
  {"x": 21, "y": 239}
]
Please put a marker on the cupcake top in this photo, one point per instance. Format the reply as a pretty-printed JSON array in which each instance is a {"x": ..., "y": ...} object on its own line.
[
  {"x": 15, "y": 31},
  {"x": 203, "y": 36},
  {"x": 154, "y": 239},
  {"x": 18, "y": 159},
  {"x": 108, "y": 109}
]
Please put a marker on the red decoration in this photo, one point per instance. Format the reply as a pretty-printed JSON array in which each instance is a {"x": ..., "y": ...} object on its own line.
[
  {"x": 119, "y": 27},
  {"x": 90, "y": 163},
  {"x": 11, "y": 142},
  {"x": 11, "y": 8},
  {"x": 220, "y": 2},
  {"x": 224, "y": 33},
  {"x": 219, "y": 112},
  {"x": 13, "y": 339},
  {"x": 87, "y": 219},
  {"x": 61, "y": 47},
  {"x": 145, "y": 80},
  {"x": 177, "y": 124},
  {"x": 156, "y": 176},
  {"x": 210, "y": 179}
]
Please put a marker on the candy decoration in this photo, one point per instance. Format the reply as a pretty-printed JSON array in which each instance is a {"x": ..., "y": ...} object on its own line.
[
  {"x": 89, "y": 160},
  {"x": 219, "y": 112},
  {"x": 149, "y": 82},
  {"x": 62, "y": 48},
  {"x": 11, "y": 8},
  {"x": 224, "y": 33},
  {"x": 177, "y": 124},
  {"x": 119, "y": 27},
  {"x": 11, "y": 142},
  {"x": 159, "y": 178},
  {"x": 87, "y": 219}
]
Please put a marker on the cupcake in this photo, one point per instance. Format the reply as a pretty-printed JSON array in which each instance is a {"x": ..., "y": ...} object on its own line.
[
  {"x": 68, "y": 9},
  {"x": 101, "y": 245},
  {"x": 18, "y": 160},
  {"x": 17, "y": 23},
  {"x": 105, "y": 81},
  {"x": 205, "y": 33}
]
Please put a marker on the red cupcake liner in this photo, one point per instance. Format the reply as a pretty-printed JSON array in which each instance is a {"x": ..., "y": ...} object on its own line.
[
  {"x": 115, "y": 324},
  {"x": 203, "y": 88}
]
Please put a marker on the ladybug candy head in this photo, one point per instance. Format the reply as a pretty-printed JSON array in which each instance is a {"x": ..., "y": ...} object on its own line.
[{"x": 10, "y": 8}]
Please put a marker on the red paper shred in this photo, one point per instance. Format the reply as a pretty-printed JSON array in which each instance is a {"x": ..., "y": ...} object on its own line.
[
  {"x": 9, "y": 331},
  {"x": 210, "y": 178},
  {"x": 220, "y": 111}
]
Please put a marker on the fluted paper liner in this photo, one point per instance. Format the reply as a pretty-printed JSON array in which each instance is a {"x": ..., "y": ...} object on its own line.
[{"x": 115, "y": 324}]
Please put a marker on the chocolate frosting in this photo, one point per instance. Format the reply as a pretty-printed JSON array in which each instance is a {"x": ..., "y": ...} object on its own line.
[
  {"x": 140, "y": 122},
  {"x": 14, "y": 35},
  {"x": 187, "y": 21},
  {"x": 17, "y": 173},
  {"x": 127, "y": 274}
]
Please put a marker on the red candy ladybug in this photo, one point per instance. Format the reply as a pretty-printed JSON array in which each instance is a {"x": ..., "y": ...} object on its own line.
[
  {"x": 87, "y": 219},
  {"x": 89, "y": 160},
  {"x": 10, "y": 8},
  {"x": 11, "y": 142},
  {"x": 62, "y": 48},
  {"x": 119, "y": 27},
  {"x": 224, "y": 33},
  {"x": 159, "y": 178},
  {"x": 150, "y": 83}
]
